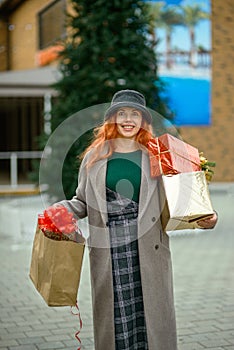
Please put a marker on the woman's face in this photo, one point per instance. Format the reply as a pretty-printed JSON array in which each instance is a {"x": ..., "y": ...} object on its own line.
[{"x": 128, "y": 122}]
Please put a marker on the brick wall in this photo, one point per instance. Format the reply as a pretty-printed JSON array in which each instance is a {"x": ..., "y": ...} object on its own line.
[
  {"x": 24, "y": 35},
  {"x": 217, "y": 140},
  {"x": 3, "y": 45}
]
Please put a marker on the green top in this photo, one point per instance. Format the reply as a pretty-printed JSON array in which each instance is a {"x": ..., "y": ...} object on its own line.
[{"x": 124, "y": 174}]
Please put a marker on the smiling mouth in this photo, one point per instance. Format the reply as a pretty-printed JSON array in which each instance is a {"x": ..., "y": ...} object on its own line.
[{"x": 128, "y": 127}]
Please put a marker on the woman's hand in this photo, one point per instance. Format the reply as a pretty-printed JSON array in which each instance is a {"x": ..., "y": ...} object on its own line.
[{"x": 208, "y": 223}]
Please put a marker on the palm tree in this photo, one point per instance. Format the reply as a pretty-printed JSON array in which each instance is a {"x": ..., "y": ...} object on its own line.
[
  {"x": 167, "y": 17},
  {"x": 155, "y": 21},
  {"x": 170, "y": 18},
  {"x": 192, "y": 15}
]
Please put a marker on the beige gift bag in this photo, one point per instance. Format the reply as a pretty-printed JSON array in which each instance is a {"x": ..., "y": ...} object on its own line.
[
  {"x": 55, "y": 269},
  {"x": 185, "y": 199}
]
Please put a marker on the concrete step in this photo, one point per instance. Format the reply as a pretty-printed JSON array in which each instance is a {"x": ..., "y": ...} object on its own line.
[{"x": 21, "y": 190}]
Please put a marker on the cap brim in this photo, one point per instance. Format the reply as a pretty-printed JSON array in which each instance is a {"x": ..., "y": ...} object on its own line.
[{"x": 145, "y": 113}]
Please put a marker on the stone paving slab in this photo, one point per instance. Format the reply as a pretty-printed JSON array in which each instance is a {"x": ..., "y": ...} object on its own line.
[
  {"x": 203, "y": 263},
  {"x": 204, "y": 282}
]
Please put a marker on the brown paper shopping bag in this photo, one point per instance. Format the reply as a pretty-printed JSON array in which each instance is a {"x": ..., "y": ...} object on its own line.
[{"x": 55, "y": 269}]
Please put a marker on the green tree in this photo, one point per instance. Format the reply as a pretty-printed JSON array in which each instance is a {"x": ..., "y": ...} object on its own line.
[
  {"x": 109, "y": 49},
  {"x": 192, "y": 15}
]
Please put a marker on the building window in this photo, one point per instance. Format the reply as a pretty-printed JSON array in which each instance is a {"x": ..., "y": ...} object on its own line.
[{"x": 52, "y": 21}]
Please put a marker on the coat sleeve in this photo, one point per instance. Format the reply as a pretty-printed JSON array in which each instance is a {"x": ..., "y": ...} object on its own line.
[{"x": 78, "y": 203}]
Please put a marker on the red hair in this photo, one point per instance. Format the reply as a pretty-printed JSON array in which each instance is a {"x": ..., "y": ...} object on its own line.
[{"x": 107, "y": 132}]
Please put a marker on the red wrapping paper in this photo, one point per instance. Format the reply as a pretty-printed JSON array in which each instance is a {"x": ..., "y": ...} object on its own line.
[
  {"x": 58, "y": 220},
  {"x": 169, "y": 155}
]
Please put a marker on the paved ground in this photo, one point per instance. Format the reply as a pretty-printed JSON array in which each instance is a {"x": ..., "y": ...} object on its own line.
[{"x": 203, "y": 277}]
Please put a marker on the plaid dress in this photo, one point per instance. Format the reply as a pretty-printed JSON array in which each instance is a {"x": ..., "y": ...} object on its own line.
[{"x": 129, "y": 319}]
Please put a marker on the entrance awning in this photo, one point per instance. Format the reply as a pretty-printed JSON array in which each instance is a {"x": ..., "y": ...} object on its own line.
[{"x": 33, "y": 82}]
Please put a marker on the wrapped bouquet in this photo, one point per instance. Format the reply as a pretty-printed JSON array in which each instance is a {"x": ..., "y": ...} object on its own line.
[
  {"x": 206, "y": 167},
  {"x": 59, "y": 224}
]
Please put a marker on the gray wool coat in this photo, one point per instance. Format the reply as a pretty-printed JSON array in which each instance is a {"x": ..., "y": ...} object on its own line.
[{"x": 154, "y": 255}]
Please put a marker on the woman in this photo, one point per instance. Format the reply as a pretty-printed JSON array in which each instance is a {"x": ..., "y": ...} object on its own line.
[{"x": 131, "y": 272}]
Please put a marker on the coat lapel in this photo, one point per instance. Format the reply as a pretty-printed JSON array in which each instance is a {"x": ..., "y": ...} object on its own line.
[
  {"x": 98, "y": 182},
  {"x": 149, "y": 208},
  {"x": 148, "y": 184}
]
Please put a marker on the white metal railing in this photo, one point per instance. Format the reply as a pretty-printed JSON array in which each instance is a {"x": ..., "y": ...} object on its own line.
[{"x": 13, "y": 158}]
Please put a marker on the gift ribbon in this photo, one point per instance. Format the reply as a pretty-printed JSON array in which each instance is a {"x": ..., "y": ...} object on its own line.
[
  {"x": 77, "y": 313},
  {"x": 155, "y": 150},
  {"x": 58, "y": 220}
]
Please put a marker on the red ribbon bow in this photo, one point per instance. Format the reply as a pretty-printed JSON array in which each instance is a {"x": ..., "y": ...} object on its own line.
[{"x": 57, "y": 219}]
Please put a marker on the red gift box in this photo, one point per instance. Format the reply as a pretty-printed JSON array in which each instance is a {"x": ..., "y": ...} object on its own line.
[{"x": 169, "y": 155}]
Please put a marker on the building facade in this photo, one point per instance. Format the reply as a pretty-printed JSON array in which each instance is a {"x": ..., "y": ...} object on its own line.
[{"x": 30, "y": 32}]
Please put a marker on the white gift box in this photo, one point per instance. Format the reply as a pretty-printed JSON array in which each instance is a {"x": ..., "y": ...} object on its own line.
[{"x": 184, "y": 200}]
